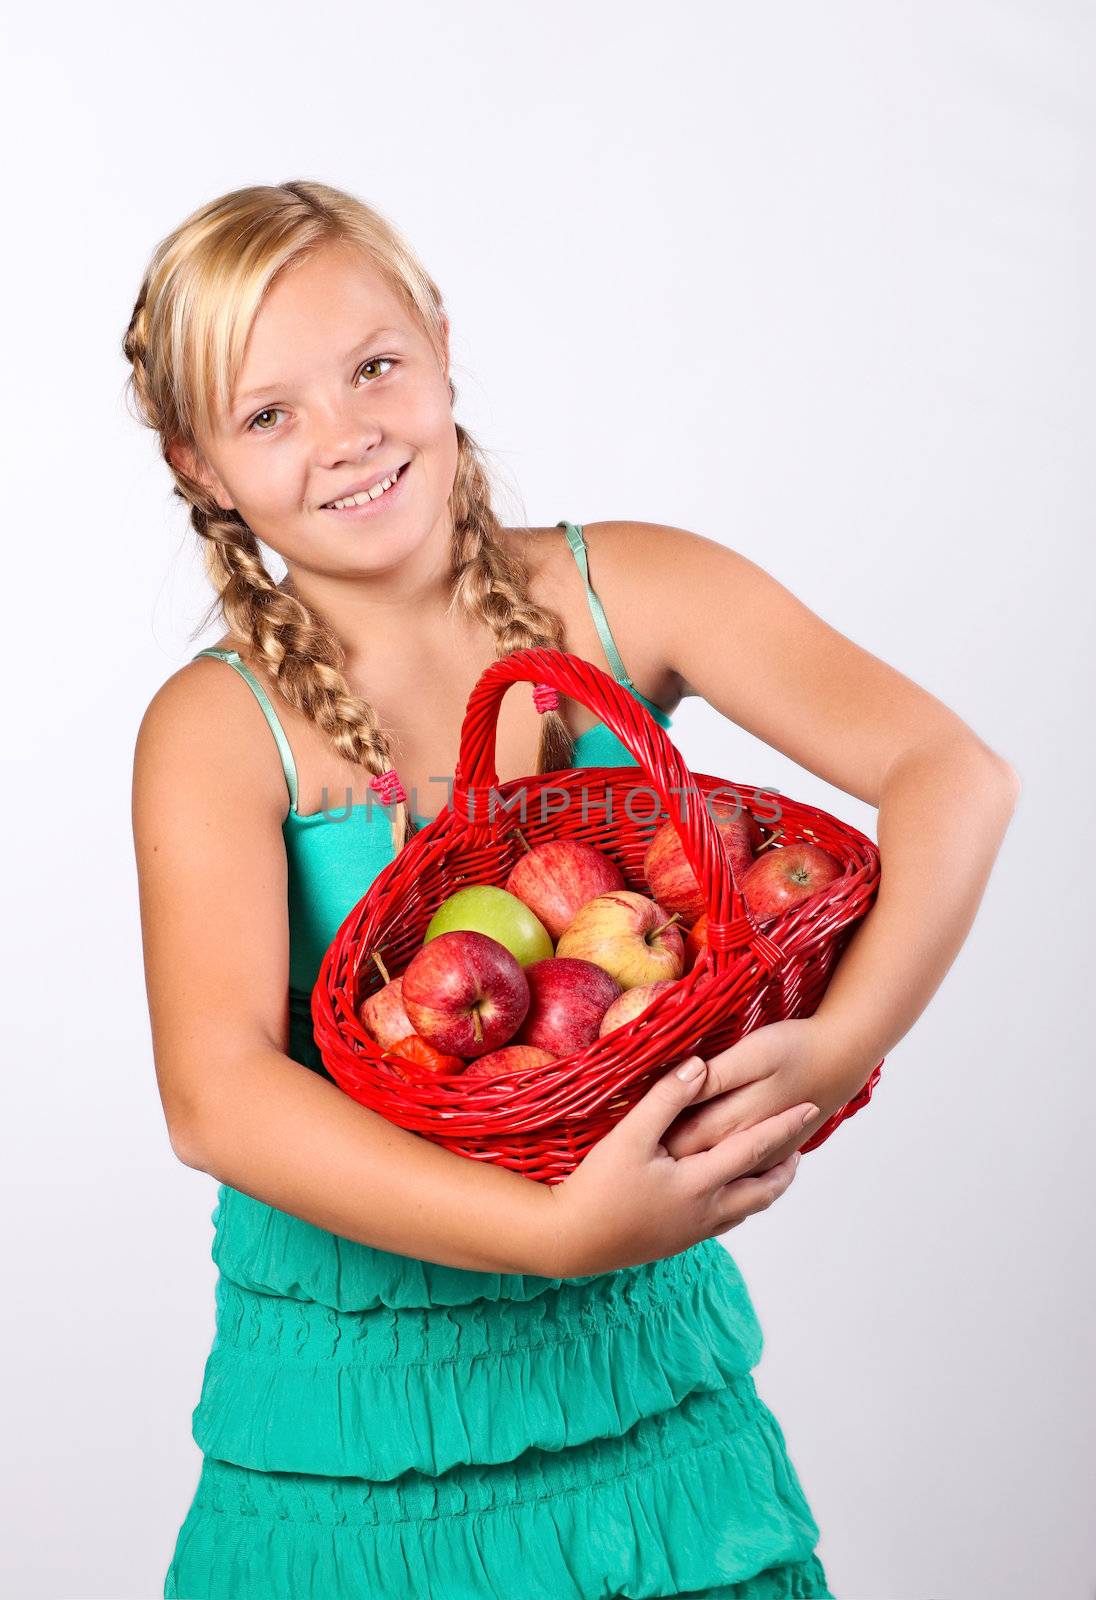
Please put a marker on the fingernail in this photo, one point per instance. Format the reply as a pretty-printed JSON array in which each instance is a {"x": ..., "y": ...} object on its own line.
[
  {"x": 812, "y": 1111},
  {"x": 692, "y": 1069}
]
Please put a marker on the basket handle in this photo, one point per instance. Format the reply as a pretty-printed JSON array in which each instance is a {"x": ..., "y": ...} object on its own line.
[{"x": 730, "y": 924}]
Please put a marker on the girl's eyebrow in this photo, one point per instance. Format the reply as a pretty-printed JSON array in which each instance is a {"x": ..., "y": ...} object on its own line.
[{"x": 266, "y": 388}]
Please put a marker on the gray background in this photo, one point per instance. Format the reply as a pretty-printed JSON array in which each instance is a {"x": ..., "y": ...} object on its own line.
[{"x": 835, "y": 265}]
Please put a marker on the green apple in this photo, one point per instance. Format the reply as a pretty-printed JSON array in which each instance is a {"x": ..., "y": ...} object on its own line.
[{"x": 500, "y": 915}]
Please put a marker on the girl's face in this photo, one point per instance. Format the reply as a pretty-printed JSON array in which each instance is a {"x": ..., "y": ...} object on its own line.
[{"x": 339, "y": 386}]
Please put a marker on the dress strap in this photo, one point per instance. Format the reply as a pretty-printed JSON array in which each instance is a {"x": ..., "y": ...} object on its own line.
[
  {"x": 597, "y": 610},
  {"x": 288, "y": 766}
]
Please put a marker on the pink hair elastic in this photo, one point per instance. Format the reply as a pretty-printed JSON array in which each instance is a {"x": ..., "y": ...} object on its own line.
[
  {"x": 545, "y": 697},
  {"x": 389, "y": 787}
]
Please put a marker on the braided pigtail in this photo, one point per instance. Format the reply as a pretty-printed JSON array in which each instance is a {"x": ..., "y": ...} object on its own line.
[
  {"x": 297, "y": 648},
  {"x": 492, "y": 584}
]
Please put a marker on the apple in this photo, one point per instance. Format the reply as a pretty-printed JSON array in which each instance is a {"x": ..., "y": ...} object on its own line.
[
  {"x": 465, "y": 993},
  {"x": 485, "y": 908},
  {"x": 555, "y": 880},
  {"x": 427, "y": 1062},
  {"x": 632, "y": 1003},
  {"x": 383, "y": 1017},
  {"x": 567, "y": 1000},
  {"x": 629, "y": 935},
  {"x": 669, "y": 876},
  {"x": 696, "y": 942},
  {"x": 785, "y": 875},
  {"x": 511, "y": 1058}
]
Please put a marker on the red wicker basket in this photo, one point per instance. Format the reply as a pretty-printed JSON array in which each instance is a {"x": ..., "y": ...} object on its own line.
[{"x": 543, "y": 1120}]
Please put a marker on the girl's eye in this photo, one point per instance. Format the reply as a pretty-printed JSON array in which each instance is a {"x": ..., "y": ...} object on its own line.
[
  {"x": 269, "y": 412},
  {"x": 375, "y": 361},
  {"x": 273, "y": 411}
]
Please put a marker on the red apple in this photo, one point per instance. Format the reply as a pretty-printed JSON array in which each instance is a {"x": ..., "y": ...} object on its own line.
[
  {"x": 669, "y": 876},
  {"x": 555, "y": 880},
  {"x": 382, "y": 1014},
  {"x": 628, "y": 934},
  {"x": 785, "y": 875},
  {"x": 696, "y": 942},
  {"x": 465, "y": 993},
  {"x": 567, "y": 1000},
  {"x": 632, "y": 1003},
  {"x": 511, "y": 1058},
  {"x": 425, "y": 1061}
]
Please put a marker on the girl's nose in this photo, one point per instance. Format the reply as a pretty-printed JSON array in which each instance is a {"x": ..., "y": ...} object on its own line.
[{"x": 346, "y": 432}]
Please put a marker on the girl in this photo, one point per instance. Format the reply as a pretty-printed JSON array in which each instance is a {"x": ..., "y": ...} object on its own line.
[{"x": 431, "y": 1375}]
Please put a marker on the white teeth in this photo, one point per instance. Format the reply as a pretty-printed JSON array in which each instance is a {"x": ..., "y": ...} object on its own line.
[{"x": 363, "y": 495}]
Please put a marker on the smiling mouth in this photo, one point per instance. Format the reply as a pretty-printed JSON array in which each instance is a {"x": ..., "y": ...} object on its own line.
[{"x": 331, "y": 506}]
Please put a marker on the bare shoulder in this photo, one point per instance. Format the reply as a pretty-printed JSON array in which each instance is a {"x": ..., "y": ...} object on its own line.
[
  {"x": 627, "y": 564},
  {"x": 209, "y": 800},
  {"x": 737, "y": 637},
  {"x": 632, "y": 564},
  {"x": 203, "y": 730},
  {"x": 635, "y": 549}
]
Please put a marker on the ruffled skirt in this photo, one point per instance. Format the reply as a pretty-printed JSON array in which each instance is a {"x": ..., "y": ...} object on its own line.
[{"x": 523, "y": 1438}]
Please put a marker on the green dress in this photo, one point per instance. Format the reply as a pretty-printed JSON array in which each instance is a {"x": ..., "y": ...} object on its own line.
[{"x": 372, "y": 1425}]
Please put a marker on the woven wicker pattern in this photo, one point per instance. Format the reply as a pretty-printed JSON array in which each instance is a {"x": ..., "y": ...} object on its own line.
[{"x": 543, "y": 1120}]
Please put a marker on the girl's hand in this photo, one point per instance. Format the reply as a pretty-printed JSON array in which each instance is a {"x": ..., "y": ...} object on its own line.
[
  {"x": 628, "y": 1201},
  {"x": 776, "y": 1066}
]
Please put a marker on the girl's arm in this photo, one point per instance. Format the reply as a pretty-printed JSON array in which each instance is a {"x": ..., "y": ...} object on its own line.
[
  {"x": 943, "y": 814},
  {"x": 942, "y": 818},
  {"x": 208, "y": 804},
  {"x": 731, "y": 633},
  {"x": 276, "y": 1131}
]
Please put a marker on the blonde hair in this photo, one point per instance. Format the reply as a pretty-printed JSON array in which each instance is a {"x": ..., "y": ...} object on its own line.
[{"x": 199, "y": 298}]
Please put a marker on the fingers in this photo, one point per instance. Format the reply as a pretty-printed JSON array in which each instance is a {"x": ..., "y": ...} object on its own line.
[
  {"x": 748, "y": 1148},
  {"x": 649, "y": 1118},
  {"x": 747, "y": 1196},
  {"x": 695, "y": 1128}
]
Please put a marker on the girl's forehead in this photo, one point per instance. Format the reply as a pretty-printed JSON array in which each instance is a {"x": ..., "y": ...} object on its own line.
[
  {"x": 325, "y": 317},
  {"x": 332, "y": 278}
]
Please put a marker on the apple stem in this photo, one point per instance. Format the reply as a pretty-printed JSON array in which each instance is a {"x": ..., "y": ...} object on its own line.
[
  {"x": 477, "y": 1026},
  {"x": 664, "y": 925},
  {"x": 765, "y": 843},
  {"x": 381, "y": 965},
  {"x": 523, "y": 839}
]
